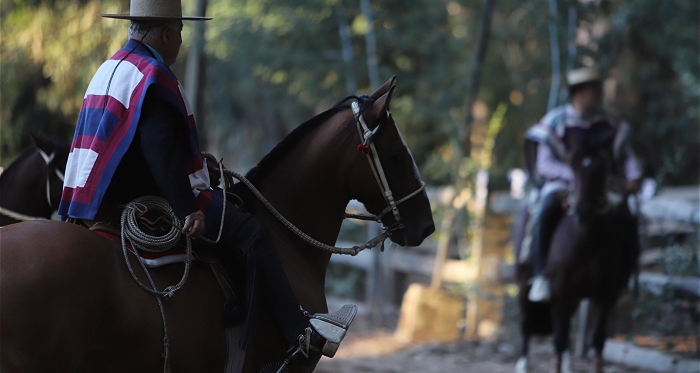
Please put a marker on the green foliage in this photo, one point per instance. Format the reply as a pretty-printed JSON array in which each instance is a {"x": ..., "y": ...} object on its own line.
[
  {"x": 49, "y": 52},
  {"x": 654, "y": 48},
  {"x": 274, "y": 64}
]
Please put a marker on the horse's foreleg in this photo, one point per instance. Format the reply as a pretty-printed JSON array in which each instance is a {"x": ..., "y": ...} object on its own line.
[
  {"x": 599, "y": 336},
  {"x": 562, "y": 326},
  {"x": 522, "y": 365}
]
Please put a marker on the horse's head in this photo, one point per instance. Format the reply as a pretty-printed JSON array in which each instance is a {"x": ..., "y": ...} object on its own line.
[
  {"x": 590, "y": 156},
  {"x": 55, "y": 156},
  {"x": 388, "y": 183}
]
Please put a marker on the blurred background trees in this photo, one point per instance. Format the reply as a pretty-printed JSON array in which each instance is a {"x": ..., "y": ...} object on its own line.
[{"x": 271, "y": 65}]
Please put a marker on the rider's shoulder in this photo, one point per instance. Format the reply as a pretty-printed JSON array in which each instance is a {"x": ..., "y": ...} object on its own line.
[{"x": 554, "y": 116}]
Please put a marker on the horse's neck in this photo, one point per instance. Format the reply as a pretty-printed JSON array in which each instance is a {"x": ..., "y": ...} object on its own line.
[
  {"x": 308, "y": 189},
  {"x": 309, "y": 186}
]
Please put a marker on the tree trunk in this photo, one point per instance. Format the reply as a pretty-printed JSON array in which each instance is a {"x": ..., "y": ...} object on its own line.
[
  {"x": 554, "y": 49},
  {"x": 194, "y": 73},
  {"x": 475, "y": 76},
  {"x": 346, "y": 48},
  {"x": 371, "y": 40}
]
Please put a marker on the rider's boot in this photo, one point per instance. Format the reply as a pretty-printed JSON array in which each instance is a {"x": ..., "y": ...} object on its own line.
[
  {"x": 321, "y": 337},
  {"x": 539, "y": 292}
]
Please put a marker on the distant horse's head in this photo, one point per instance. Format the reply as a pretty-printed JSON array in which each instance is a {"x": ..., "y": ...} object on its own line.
[
  {"x": 32, "y": 185},
  {"x": 389, "y": 184},
  {"x": 590, "y": 156}
]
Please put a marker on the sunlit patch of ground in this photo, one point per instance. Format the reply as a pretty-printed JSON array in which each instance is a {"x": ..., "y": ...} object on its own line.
[{"x": 380, "y": 352}]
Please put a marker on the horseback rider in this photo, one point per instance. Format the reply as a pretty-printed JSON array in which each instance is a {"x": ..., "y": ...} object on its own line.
[
  {"x": 136, "y": 136},
  {"x": 583, "y": 114}
]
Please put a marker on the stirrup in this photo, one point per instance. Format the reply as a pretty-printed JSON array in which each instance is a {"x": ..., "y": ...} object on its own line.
[
  {"x": 302, "y": 348},
  {"x": 332, "y": 327}
]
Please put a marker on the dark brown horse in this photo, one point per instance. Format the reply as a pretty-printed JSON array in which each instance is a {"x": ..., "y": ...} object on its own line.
[
  {"x": 69, "y": 304},
  {"x": 31, "y": 186},
  {"x": 594, "y": 251}
]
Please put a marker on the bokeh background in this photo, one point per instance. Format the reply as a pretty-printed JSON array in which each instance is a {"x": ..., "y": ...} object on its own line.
[{"x": 465, "y": 95}]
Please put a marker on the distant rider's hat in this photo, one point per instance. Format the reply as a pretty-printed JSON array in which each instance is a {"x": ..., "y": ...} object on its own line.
[
  {"x": 582, "y": 75},
  {"x": 155, "y": 10}
]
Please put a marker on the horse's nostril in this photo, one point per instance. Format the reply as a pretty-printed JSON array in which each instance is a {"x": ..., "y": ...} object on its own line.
[{"x": 428, "y": 230}]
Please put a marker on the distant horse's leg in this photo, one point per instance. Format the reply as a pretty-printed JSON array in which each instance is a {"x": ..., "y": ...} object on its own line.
[
  {"x": 522, "y": 365},
  {"x": 599, "y": 336},
  {"x": 561, "y": 315}
]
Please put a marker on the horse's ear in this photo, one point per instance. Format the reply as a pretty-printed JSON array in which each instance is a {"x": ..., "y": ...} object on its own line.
[
  {"x": 41, "y": 142},
  {"x": 381, "y": 91},
  {"x": 381, "y": 105}
]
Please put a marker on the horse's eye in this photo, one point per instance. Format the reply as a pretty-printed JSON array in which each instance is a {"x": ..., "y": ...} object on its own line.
[
  {"x": 397, "y": 158},
  {"x": 586, "y": 162}
]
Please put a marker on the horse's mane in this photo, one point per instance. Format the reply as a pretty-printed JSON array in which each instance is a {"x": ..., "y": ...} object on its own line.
[{"x": 285, "y": 146}]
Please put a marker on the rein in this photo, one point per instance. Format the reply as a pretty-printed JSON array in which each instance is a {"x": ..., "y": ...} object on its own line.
[
  {"x": 308, "y": 239},
  {"x": 18, "y": 216},
  {"x": 22, "y": 217}
]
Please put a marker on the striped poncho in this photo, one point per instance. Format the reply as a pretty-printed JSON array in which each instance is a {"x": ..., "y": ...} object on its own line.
[{"x": 107, "y": 124}]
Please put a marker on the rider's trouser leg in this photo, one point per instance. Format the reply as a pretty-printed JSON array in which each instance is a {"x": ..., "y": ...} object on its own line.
[
  {"x": 244, "y": 234},
  {"x": 543, "y": 227}
]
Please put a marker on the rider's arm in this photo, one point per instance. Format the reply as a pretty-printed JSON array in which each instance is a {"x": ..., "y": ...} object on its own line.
[{"x": 550, "y": 167}]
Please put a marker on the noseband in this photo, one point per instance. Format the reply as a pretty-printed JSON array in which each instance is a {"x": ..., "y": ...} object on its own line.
[{"x": 367, "y": 147}]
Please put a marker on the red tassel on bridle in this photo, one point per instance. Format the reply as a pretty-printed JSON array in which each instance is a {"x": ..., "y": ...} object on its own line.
[{"x": 364, "y": 149}]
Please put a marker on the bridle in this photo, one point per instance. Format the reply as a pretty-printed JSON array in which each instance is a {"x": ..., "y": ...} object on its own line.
[
  {"x": 367, "y": 148},
  {"x": 48, "y": 159}
]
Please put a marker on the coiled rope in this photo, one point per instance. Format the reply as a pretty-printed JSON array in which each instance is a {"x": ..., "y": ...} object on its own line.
[
  {"x": 132, "y": 234},
  {"x": 138, "y": 239}
]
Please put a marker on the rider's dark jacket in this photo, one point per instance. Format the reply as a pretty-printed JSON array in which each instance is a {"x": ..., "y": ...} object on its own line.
[{"x": 136, "y": 136}]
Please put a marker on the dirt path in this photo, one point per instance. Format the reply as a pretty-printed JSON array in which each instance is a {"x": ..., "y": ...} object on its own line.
[{"x": 380, "y": 352}]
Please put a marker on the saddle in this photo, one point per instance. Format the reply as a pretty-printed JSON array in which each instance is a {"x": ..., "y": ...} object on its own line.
[{"x": 155, "y": 222}]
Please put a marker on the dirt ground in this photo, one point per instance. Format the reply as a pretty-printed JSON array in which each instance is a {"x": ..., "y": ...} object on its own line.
[{"x": 379, "y": 351}]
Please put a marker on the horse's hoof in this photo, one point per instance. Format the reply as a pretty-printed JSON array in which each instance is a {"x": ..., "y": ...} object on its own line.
[
  {"x": 598, "y": 364},
  {"x": 521, "y": 365},
  {"x": 566, "y": 363}
]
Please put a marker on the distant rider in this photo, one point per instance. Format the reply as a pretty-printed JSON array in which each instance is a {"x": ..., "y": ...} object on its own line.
[{"x": 583, "y": 110}]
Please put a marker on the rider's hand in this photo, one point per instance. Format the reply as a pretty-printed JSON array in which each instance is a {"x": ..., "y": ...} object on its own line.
[
  {"x": 194, "y": 224},
  {"x": 633, "y": 186}
]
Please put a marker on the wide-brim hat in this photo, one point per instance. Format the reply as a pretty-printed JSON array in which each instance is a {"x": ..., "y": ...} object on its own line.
[
  {"x": 582, "y": 75},
  {"x": 155, "y": 10}
]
